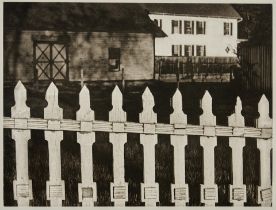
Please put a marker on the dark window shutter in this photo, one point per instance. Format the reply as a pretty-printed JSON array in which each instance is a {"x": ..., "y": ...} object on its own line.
[
  {"x": 180, "y": 50},
  {"x": 192, "y": 27},
  {"x": 161, "y": 23},
  {"x": 172, "y": 50},
  {"x": 231, "y": 29},
  {"x": 180, "y": 27},
  {"x": 204, "y": 30},
  {"x": 204, "y": 50},
  {"x": 172, "y": 27},
  {"x": 193, "y": 50}
]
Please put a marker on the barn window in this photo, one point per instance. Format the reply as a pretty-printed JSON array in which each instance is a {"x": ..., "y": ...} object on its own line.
[
  {"x": 228, "y": 28},
  {"x": 200, "y": 27},
  {"x": 176, "y": 50},
  {"x": 176, "y": 27},
  {"x": 200, "y": 50},
  {"x": 188, "y": 27},
  {"x": 188, "y": 50},
  {"x": 114, "y": 55},
  {"x": 50, "y": 60}
]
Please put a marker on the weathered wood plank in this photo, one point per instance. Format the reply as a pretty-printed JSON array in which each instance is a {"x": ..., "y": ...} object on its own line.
[
  {"x": 209, "y": 190},
  {"x": 179, "y": 190},
  {"x": 22, "y": 186},
  {"x": 87, "y": 188},
  {"x": 237, "y": 189},
  {"x": 55, "y": 188},
  {"x": 119, "y": 188},
  {"x": 149, "y": 189}
]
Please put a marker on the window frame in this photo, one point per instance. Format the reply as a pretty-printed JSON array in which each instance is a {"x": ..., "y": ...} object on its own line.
[
  {"x": 179, "y": 53},
  {"x": 204, "y": 50},
  {"x": 192, "y": 26},
  {"x": 192, "y": 50},
  {"x": 203, "y": 27},
  {"x": 178, "y": 26},
  {"x": 230, "y": 28},
  {"x": 113, "y": 55}
]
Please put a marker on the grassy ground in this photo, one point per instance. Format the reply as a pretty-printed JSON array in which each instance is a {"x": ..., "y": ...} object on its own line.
[{"x": 223, "y": 105}]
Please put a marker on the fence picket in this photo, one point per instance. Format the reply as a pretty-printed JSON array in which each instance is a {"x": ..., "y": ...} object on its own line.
[
  {"x": 87, "y": 189},
  {"x": 179, "y": 190},
  {"x": 237, "y": 189},
  {"x": 149, "y": 189},
  {"x": 22, "y": 186},
  {"x": 209, "y": 190},
  {"x": 55, "y": 188},
  {"x": 119, "y": 188},
  {"x": 264, "y": 145}
]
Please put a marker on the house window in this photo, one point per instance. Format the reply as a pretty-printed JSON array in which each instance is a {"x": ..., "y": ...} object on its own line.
[
  {"x": 188, "y": 50},
  {"x": 200, "y": 27},
  {"x": 200, "y": 50},
  {"x": 158, "y": 22},
  {"x": 176, "y": 50},
  {"x": 114, "y": 55},
  {"x": 176, "y": 27},
  {"x": 50, "y": 60},
  {"x": 188, "y": 27},
  {"x": 228, "y": 28}
]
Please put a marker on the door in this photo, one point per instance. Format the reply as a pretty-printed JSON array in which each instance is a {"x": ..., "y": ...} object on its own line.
[{"x": 50, "y": 61}]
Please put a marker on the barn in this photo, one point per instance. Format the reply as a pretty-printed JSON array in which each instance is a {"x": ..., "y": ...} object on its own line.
[{"x": 78, "y": 41}]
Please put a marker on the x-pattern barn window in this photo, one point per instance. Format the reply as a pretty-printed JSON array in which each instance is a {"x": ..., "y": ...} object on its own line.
[
  {"x": 188, "y": 27},
  {"x": 176, "y": 26},
  {"x": 50, "y": 61},
  {"x": 228, "y": 28},
  {"x": 200, "y": 27}
]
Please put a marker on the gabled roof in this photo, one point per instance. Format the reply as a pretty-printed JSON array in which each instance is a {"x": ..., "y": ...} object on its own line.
[
  {"x": 82, "y": 17},
  {"x": 202, "y": 10}
]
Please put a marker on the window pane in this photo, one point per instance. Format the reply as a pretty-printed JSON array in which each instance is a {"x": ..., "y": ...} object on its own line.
[
  {"x": 226, "y": 29},
  {"x": 188, "y": 50},
  {"x": 200, "y": 27},
  {"x": 175, "y": 28},
  {"x": 188, "y": 27}
]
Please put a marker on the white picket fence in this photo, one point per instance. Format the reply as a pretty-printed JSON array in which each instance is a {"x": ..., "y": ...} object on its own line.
[{"x": 53, "y": 125}]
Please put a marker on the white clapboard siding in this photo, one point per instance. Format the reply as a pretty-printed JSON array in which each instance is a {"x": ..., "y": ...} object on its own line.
[
  {"x": 22, "y": 186},
  {"x": 179, "y": 190},
  {"x": 118, "y": 138},
  {"x": 87, "y": 189},
  {"x": 55, "y": 188},
  {"x": 149, "y": 189},
  {"x": 264, "y": 145},
  {"x": 209, "y": 190},
  {"x": 237, "y": 189}
]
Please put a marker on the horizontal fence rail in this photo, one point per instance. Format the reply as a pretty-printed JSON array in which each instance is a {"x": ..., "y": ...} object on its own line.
[{"x": 85, "y": 125}]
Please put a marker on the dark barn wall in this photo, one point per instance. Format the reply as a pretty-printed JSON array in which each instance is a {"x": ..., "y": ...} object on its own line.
[{"x": 86, "y": 50}]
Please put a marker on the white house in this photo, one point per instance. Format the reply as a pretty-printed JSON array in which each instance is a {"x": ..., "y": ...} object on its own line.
[{"x": 195, "y": 29}]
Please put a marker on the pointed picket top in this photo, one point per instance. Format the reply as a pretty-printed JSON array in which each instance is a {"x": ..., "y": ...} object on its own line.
[
  {"x": 52, "y": 111},
  {"x": 85, "y": 113},
  {"x": 117, "y": 113},
  {"x": 20, "y": 109},
  {"x": 236, "y": 119},
  {"x": 178, "y": 115},
  {"x": 207, "y": 117},
  {"x": 264, "y": 120},
  {"x": 148, "y": 115}
]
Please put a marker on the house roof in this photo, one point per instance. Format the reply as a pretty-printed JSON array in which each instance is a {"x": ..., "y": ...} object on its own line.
[
  {"x": 85, "y": 17},
  {"x": 204, "y": 10}
]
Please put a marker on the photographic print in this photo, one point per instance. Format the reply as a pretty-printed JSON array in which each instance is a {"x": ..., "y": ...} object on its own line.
[{"x": 137, "y": 104}]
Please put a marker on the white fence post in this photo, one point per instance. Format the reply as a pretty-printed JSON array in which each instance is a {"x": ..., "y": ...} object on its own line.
[
  {"x": 55, "y": 188},
  {"x": 209, "y": 190},
  {"x": 22, "y": 186},
  {"x": 87, "y": 189},
  {"x": 119, "y": 188},
  {"x": 149, "y": 189},
  {"x": 179, "y": 190},
  {"x": 237, "y": 189},
  {"x": 264, "y": 145}
]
